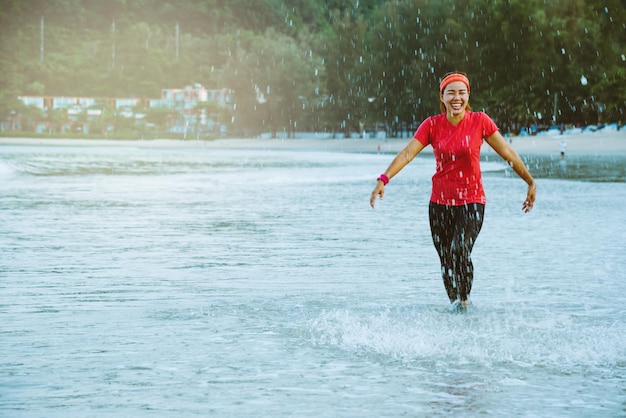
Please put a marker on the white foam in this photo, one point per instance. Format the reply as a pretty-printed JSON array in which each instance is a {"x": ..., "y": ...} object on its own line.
[
  {"x": 486, "y": 337},
  {"x": 6, "y": 169}
]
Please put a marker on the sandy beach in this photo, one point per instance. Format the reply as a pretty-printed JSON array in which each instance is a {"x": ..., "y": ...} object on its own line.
[{"x": 590, "y": 144}]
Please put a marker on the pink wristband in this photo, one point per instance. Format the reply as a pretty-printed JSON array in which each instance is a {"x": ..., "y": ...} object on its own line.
[{"x": 383, "y": 178}]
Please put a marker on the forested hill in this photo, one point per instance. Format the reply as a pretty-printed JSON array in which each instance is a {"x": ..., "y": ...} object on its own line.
[{"x": 325, "y": 64}]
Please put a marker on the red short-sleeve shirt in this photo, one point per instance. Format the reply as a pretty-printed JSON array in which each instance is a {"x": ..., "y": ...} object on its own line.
[{"x": 457, "y": 180}]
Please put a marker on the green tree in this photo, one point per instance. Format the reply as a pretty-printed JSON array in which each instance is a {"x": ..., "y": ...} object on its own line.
[
  {"x": 273, "y": 78},
  {"x": 299, "y": 64},
  {"x": 346, "y": 66}
]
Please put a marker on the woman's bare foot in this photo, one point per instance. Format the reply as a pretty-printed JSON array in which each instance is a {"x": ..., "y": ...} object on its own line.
[{"x": 460, "y": 305}]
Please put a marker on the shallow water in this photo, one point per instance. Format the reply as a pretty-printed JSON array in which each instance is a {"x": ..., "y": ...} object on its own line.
[
  {"x": 596, "y": 168},
  {"x": 194, "y": 281}
]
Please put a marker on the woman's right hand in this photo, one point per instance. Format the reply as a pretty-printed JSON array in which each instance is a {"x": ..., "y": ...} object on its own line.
[
  {"x": 403, "y": 158},
  {"x": 379, "y": 191}
]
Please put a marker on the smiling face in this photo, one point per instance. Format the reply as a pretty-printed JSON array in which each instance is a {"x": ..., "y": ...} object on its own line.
[{"x": 455, "y": 99}]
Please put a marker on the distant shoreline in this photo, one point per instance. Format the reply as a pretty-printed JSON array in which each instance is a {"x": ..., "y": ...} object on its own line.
[{"x": 598, "y": 143}]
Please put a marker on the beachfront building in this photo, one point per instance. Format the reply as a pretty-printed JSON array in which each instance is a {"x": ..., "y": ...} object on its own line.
[
  {"x": 184, "y": 103},
  {"x": 79, "y": 113}
]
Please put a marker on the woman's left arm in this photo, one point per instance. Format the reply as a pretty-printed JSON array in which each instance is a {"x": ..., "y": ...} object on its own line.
[{"x": 504, "y": 150}]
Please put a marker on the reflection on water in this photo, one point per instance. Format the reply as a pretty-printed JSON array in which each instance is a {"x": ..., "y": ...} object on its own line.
[
  {"x": 563, "y": 167},
  {"x": 605, "y": 168},
  {"x": 213, "y": 282}
]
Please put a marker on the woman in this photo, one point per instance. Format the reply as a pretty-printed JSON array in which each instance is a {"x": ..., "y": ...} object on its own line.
[{"x": 457, "y": 202}]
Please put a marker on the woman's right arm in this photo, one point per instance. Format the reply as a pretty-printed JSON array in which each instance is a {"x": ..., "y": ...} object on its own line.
[{"x": 404, "y": 157}]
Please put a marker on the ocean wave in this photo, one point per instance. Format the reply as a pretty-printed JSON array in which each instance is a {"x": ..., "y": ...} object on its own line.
[{"x": 6, "y": 169}]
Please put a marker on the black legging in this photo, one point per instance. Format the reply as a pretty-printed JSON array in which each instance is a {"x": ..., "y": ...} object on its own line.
[{"x": 454, "y": 230}]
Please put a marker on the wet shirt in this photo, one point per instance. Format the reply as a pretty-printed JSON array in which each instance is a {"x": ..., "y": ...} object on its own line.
[{"x": 457, "y": 180}]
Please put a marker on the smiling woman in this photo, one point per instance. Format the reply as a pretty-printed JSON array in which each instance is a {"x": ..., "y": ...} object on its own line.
[
  {"x": 457, "y": 201},
  {"x": 448, "y": 83}
]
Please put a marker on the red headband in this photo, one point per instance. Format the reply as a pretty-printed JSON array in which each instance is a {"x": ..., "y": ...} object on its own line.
[{"x": 452, "y": 78}]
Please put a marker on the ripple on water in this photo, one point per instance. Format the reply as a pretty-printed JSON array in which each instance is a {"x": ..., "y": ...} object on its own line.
[{"x": 495, "y": 337}]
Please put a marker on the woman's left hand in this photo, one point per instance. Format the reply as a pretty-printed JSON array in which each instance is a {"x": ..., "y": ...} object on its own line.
[{"x": 530, "y": 198}]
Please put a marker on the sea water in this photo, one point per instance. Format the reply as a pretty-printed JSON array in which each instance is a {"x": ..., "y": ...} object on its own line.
[{"x": 203, "y": 281}]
